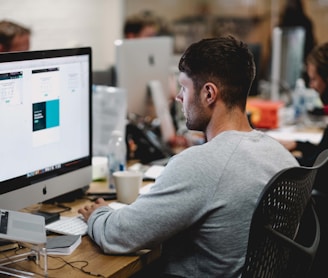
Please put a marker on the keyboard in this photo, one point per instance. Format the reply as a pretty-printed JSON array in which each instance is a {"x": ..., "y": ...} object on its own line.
[
  {"x": 68, "y": 226},
  {"x": 74, "y": 225}
]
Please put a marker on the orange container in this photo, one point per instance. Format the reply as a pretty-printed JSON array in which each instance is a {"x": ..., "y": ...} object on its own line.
[{"x": 264, "y": 113}]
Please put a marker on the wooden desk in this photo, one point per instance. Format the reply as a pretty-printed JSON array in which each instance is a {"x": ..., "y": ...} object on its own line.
[
  {"x": 88, "y": 255},
  {"x": 312, "y": 135}
]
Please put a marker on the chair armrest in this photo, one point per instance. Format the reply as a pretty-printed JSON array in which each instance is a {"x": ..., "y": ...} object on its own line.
[{"x": 306, "y": 250}]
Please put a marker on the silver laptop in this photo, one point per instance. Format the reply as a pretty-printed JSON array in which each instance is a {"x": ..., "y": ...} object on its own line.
[{"x": 23, "y": 227}]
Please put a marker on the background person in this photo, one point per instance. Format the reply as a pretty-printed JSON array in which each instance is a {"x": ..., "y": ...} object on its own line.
[
  {"x": 200, "y": 208},
  {"x": 293, "y": 15},
  {"x": 317, "y": 69},
  {"x": 14, "y": 37},
  {"x": 143, "y": 25},
  {"x": 140, "y": 26}
]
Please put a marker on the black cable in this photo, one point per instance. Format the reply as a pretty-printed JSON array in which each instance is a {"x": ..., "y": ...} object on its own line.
[
  {"x": 71, "y": 264},
  {"x": 32, "y": 258}
]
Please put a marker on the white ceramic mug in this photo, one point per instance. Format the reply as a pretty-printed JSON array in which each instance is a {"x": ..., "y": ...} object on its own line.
[{"x": 127, "y": 184}]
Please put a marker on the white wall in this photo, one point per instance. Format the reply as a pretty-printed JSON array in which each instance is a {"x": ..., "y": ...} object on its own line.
[{"x": 70, "y": 23}]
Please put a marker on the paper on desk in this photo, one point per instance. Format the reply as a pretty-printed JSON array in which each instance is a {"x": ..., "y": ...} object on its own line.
[
  {"x": 145, "y": 189},
  {"x": 153, "y": 172},
  {"x": 292, "y": 134},
  {"x": 150, "y": 172}
]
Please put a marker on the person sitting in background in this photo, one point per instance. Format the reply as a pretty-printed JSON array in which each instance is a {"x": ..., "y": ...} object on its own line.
[
  {"x": 140, "y": 26},
  {"x": 14, "y": 37},
  {"x": 200, "y": 207},
  {"x": 136, "y": 26},
  {"x": 317, "y": 69}
]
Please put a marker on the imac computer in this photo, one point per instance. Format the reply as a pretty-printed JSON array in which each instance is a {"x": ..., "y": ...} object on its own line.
[
  {"x": 139, "y": 62},
  {"x": 45, "y": 123},
  {"x": 143, "y": 69}
]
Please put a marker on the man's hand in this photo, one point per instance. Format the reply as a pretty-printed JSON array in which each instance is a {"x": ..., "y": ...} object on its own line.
[{"x": 87, "y": 210}]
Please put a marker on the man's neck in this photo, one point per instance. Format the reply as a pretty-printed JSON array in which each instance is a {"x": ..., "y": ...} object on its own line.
[{"x": 229, "y": 121}]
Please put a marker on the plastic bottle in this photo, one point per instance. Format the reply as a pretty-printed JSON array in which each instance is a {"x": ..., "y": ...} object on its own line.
[
  {"x": 116, "y": 155},
  {"x": 299, "y": 102}
]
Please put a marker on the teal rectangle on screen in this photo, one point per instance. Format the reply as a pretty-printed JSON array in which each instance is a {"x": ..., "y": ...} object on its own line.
[{"x": 52, "y": 108}]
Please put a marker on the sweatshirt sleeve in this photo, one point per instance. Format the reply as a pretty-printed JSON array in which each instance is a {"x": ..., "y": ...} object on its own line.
[{"x": 172, "y": 205}]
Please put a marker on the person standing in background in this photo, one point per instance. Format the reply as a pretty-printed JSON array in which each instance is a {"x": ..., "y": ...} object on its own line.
[
  {"x": 293, "y": 15},
  {"x": 14, "y": 37}
]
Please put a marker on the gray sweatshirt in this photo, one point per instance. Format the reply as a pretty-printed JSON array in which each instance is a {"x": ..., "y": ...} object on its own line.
[{"x": 200, "y": 207}]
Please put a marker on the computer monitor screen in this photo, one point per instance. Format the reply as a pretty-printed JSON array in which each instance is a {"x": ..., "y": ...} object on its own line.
[
  {"x": 256, "y": 50},
  {"x": 45, "y": 124},
  {"x": 138, "y": 62}
]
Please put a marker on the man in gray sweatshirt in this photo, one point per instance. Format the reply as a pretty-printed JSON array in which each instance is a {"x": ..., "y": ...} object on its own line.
[{"x": 199, "y": 209}]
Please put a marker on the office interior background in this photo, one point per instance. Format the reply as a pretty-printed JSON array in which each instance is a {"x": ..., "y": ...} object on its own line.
[{"x": 62, "y": 24}]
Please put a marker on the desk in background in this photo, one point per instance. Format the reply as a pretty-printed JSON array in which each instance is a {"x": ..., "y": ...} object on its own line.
[
  {"x": 88, "y": 258},
  {"x": 313, "y": 135}
]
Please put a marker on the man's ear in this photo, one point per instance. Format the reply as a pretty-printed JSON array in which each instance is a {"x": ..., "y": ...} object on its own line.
[{"x": 210, "y": 92}]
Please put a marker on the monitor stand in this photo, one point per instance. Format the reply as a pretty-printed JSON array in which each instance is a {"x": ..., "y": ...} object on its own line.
[{"x": 69, "y": 197}]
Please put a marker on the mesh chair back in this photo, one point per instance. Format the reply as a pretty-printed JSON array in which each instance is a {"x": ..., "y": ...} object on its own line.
[{"x": 272, "y": 247}]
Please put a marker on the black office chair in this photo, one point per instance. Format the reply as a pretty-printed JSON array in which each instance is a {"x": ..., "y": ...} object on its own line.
[
  {"x": 320, "y": 197},
  {"x": 285, "y": 231}
]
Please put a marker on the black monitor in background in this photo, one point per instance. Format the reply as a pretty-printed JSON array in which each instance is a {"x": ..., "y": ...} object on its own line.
[
  {"x": 45, "y": 124},
  {"x": 101, "y": 77},
  {"x": 256, "y": 50},
  {"x": 106, "y": 77}
]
